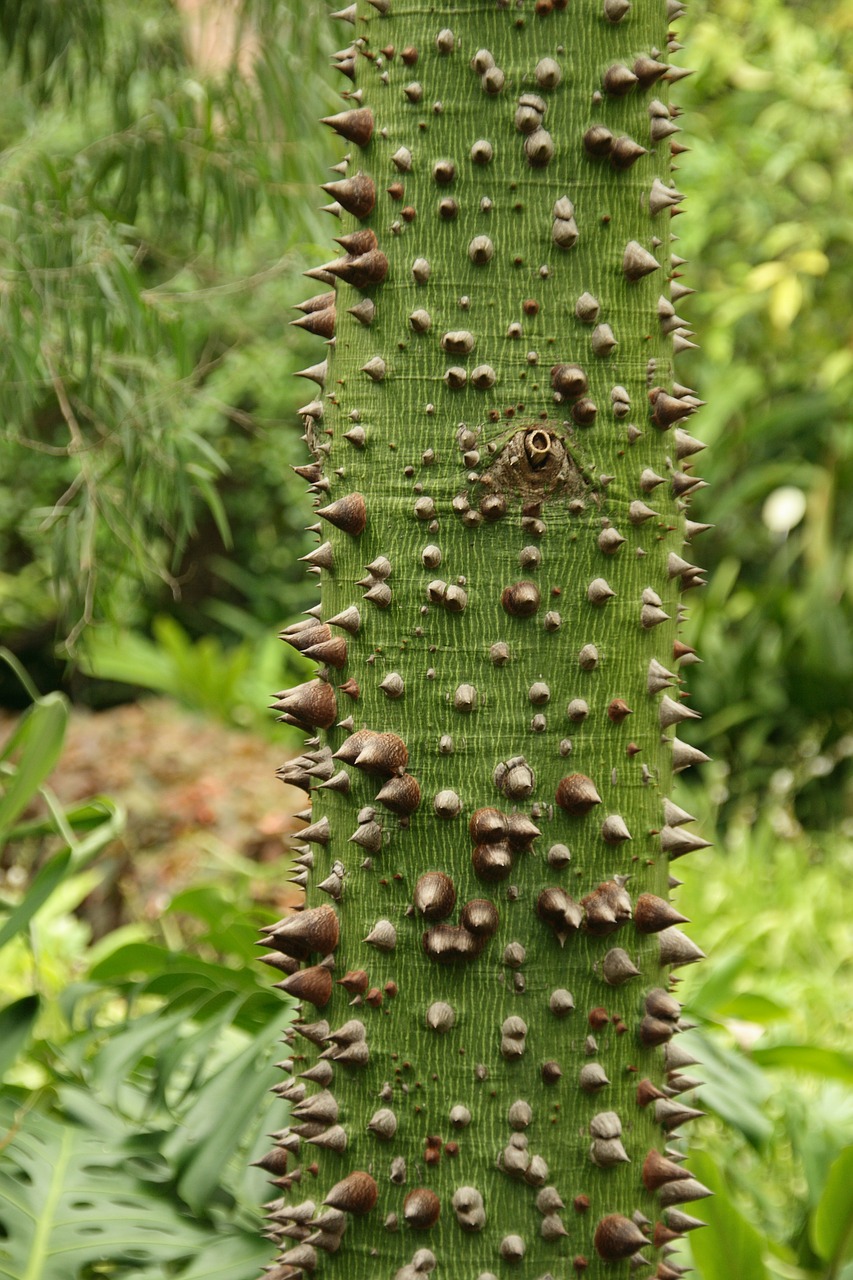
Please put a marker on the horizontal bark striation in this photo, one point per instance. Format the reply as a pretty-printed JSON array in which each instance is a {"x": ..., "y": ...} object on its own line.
[{"x": 502, "y": 467}]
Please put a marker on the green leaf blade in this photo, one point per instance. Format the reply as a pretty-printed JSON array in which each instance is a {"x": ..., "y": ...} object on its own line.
[
  {"x": 41, "y": 735},
  {"x": 730, "y": 1246},
  {"x": 67, "y": 1203},
  {"x": 807, "y": 1058},
  {"x": 831, "y": 1225}
]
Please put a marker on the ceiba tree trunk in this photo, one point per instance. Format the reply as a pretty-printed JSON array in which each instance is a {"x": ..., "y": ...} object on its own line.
[{"x": 483, "y": 1078}]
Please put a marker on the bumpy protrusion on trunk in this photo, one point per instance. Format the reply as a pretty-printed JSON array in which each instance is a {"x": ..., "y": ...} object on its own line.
[{"x": 485, "y": 1067}]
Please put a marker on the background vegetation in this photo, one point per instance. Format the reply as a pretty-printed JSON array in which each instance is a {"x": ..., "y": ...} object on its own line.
[{"x": 158, "y": 201}]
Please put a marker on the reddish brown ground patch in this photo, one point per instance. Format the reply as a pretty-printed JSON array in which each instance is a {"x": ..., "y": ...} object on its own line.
[{"x": 194, "y": 790}]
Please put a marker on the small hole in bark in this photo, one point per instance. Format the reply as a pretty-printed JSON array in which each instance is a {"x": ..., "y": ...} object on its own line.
[{"x": 537, "y": 446}]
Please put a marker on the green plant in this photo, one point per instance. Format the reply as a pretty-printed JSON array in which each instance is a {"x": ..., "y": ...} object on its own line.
[
  {"x": 225, "y": 683},
  {"x": 69, "y": 1201},
  {"x": 502, "y": 466},
  {"x": 160, "y": 1096},
  {"x": 770, "y": 258},
  {"x": 770, "y": 1012},
  {"x": 135, "y": 1097},
  {"x": 27, "y": 758},
  {"x": 150, "y": 222}
]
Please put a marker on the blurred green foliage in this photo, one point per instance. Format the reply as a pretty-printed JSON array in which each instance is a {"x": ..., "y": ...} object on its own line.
[
  {"x": 136, "y": 1069},
  {"x": 772, "y": 1008},
  {"x": 769, "y": 119},
  {"x": 154, "y": 219},
  {"x": 230, "y": 683}
]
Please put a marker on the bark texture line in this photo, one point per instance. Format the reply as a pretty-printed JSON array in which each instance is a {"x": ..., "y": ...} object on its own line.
[{"x": 483, "y": 1077}]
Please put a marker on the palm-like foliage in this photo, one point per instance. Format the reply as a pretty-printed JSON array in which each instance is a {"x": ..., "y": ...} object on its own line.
[{"x": 143, "y": 188}]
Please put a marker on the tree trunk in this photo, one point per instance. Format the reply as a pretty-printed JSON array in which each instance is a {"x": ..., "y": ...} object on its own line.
[{"x": 483, "y": 1075}]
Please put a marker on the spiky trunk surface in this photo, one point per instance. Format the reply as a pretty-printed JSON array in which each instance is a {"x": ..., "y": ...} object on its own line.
[{"x": 497, "y": 443}]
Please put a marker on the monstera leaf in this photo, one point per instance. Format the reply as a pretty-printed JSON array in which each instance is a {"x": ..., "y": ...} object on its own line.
[
  {"x": 235, "y": 1256},
  {"x": 68, "y": 1202}
]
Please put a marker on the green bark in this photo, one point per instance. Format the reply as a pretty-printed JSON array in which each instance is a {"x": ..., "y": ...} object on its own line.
[{"x": 497, "y": 446}]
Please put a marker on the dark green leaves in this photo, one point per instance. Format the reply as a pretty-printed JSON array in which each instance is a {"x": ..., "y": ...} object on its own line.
[
  {"x": 27, "y": 759},
  {"x": 730, "y": 1246},
  {"x": 16, "y": 1024},
  {"x": 31, "y": 753},
  {"x": 808, "y": 1058},
  {"x": 831, "y": 1225},
  {"x": 147, "y": 191},
  {"x": 68, "y": 1202}
]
